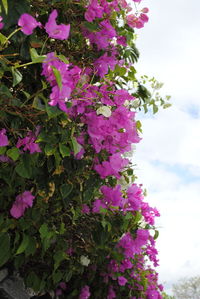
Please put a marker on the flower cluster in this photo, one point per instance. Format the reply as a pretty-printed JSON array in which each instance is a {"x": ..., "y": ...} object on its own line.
[
  {"x": 22, "y": 202},
  {"x": 69, "y": 78},
  {"x": 29, "y": 23}
]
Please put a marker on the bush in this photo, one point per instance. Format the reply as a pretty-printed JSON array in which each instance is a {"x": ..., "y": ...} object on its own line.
[{"x": 73, "y": 220}]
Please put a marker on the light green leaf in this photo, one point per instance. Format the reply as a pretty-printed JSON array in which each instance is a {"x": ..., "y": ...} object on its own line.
[
  {"x": 58, "y": 76},
  {"x": 2, "y": 150},
  {"x": 63, "y": 58},
  {"x": 35, "y": 57},
  {"x": 3, "y": 38},
  {"x": 64, "y": 150},
  {"x": 17, "y": 76},
  {"x": 5, "y": 5},
  {"x": 49, "y": 149},
  {"x": 43, "y": 231},
  {"x": 75, "y": 145},
  {"x": 13, "y": 153}
]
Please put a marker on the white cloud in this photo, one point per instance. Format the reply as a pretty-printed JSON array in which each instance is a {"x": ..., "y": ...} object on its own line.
[
  {"x": 172, "y": 137},
  {"x": 168, "y": 157}
]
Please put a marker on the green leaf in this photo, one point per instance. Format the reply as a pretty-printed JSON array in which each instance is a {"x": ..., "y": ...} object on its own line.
[
  {"x": 23, "y": 244},
  {"x": 75, "y": 145},
  {"x": 66, "y": 189},
  {"x": 17, "y": 76},
  {"x": 33, "y": 281},
  {"x": 58, "y": 76},
  {"x": 2, "y": 150},
  {"x": 130, "y": 171},
  {"x": 57, "y": 276},
  {"x": 31, "y": 247},
  {"x": 49, "y": 149},
  {"x": 58, "y": 257},
  {"x": 5, "y": 5},
  {"x": 64, "y": 150},
  {"x": 24, "y": 168},
  {"x": 2, "y": 39},
  {"x": 156, "y": 234},
  {"x": 63, "y": 58},
  {"x": 43, "y": 231},
  {"x": 37, "y": 103},
  {"x": 52, "y": 111},
  {"x": 155, "y": 108},
  {"x": 35, "y": 57},
  {"x": 13, "y": 153},
  {"x": 91, "y": 26},
  {"x": 4, "y": 248}
]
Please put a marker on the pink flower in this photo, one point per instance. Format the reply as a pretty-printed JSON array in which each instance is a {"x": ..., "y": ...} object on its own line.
[
  {"x": 103, "y": 63},
  {"x": 56, "y": 31},
  {"x": 22, "y": 202},
  {"x": 1, "y": 23},
  {"x": 28, "y": 23},
  {"x": 3, "y": 138},
  {"x": 145, "y": 10},
  {"x": 63, "y": 285},
  {"x": 29, "y": 143},
  {"x": 85, "y": 293},
  {"x": 122, "y": 280},
  {"x": 111, "y": 293},
  {"x": 85, "y": 209},
  {"x": 94, "y": 10},
  {"x": 144, "y": 17},
  {"x": 5, "y": 159},
  {"x": 112, "y": 167}
]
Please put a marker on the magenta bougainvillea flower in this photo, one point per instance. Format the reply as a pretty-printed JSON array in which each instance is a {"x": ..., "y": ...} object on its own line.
[
  {"x": 85, "y": 293},
  {"x": 3, "y": 138},
  {"x": 28, "y": 23},
  {"x": 56, "y": 31},
  {"x": 28, "y": 143},
  {"x": 22, "y": 202},
  {"x": 94, "y": 10},
  {"x": 122, "y": 280},
  {"x": 1, "y": 23}
]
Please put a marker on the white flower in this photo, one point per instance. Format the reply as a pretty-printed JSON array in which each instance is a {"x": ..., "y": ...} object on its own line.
[
  {"x": 104, "y": 110},
  {"x": 84, "y": 260}
]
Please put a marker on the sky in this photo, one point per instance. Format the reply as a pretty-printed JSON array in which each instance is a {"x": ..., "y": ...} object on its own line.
[{"x": 168, "y": 157}]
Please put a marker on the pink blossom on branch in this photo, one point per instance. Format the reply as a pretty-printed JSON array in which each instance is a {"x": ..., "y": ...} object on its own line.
[
  {"x": 28, "y": 23},
  {"x": 28, "y": 143},
  {"x": 22, "y": 202},
  {"x": 3, "y": 138},
  {"x": 1, "y": 23},
  {"x": 54, "y": 30},
  {"x": 85, "y": 292}
]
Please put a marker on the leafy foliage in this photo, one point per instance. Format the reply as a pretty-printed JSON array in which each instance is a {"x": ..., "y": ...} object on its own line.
[{"x": 49, "y": 231}]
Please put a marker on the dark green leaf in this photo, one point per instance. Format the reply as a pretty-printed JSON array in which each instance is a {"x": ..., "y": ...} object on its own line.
[
  {"x": 66, "y": 189},
  {"x": 23, "y": 244},
  {"x": 24, "y": 168},
  {"x": 64, "y": 150},
  {"x": 4, "y": 248}
]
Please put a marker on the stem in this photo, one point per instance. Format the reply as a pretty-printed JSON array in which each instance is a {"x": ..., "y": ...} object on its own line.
[
  {"x": 44, "y": 45},
  {"x": 9, "y": 36},
  {"x": 25, "y": 64}
]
